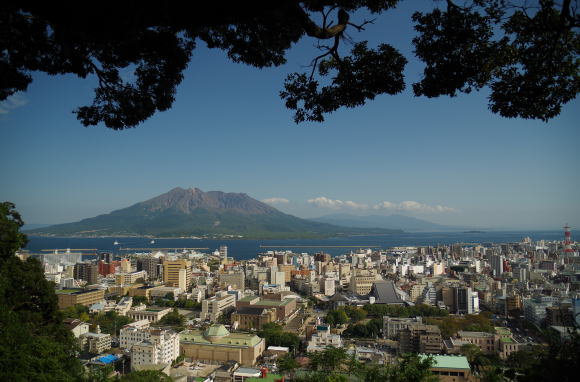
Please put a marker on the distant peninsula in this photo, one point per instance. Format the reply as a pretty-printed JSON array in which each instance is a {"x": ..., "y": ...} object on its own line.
[{"x": 182, "y": 213}]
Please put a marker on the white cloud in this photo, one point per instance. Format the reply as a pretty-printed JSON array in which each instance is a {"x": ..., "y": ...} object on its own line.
[
  {"x": 335, "y": 204},
  {"x": 14, "y": 101},
  {"x": 412, "y": 206},
  {"x": 276, "y": 201}
]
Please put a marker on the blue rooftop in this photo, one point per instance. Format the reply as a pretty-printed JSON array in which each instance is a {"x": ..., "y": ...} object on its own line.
[{"x": 110, "y": 358}]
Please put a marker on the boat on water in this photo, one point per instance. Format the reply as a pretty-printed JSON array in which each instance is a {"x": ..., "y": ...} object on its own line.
[
  {"x": 152, "y": 241},
  {"x": 116, "y": 242}
]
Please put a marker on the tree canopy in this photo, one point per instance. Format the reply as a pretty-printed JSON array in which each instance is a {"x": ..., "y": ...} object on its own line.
[{"x": 526, "y": 52}]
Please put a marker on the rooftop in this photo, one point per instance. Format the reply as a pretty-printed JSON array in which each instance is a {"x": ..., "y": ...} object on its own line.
[
  {"x": 230, "y": 340},
  {"x": 269, "y": 378},
  {"x": 449, "y": 362}
]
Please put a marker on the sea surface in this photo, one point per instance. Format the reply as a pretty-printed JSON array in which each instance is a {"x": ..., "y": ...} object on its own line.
[{"x": 247, "y": 249}]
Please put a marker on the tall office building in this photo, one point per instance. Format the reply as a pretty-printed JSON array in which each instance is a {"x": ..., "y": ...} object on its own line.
[
  {"x": 463, "y": 300},
  {"x": 177, "y": 273},
  {"x": 223, "y": 251},
  {"x": 86, "y": 271},
  {"x": 496, "y": 263},
  {"x": 150, "y": 265}
]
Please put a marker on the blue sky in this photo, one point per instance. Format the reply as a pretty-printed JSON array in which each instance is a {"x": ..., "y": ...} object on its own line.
[{"x": 228, "y": 130}]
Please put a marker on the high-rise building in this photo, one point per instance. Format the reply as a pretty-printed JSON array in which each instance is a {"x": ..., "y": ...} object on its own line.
[
  {"x": 150, "y": 265},
  {"x": 463, "y": 300},
  {"x": 223, "y": 251},
  {"x": 177, "y": 273},
  {"x": 496, "y": 263},
  {"x": 87, "y": 272}
]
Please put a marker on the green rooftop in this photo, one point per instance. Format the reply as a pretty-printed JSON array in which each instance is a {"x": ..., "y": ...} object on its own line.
[
  {"x": 231, "y": 339},
  {"x": 449, "y": 361},
  {"x": 507, "y": 340},
  {"x": 269, "y": 378},
  {"x": 216, "y": 331}
]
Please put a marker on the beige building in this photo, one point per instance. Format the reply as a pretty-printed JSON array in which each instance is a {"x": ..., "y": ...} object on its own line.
[
  {"x": 95, "y": 343},
  {"x": 150, "y": 314},
  {"x": 72, "y": 297},
  {"x": 284, "y": 307},
  {"x": 217, "y": 344},
  {"x": 234, "y": 279},
  {"x": 129, "y": 278},
  {"x": 452, "y": 368},
  {"x": 212, "y": 308},
  {"x": 362, "y": 281},
  {"x": 177, "y": 273},
  {"x": 253, "y": 318}
]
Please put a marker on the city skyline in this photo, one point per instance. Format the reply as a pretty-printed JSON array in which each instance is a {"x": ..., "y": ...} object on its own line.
[{"x": 229, "y": 131}]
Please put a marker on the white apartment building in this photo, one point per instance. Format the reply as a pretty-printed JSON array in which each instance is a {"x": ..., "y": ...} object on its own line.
[
  {"x": 322, "y": 338},
  {"x": 149, "y": 346}
]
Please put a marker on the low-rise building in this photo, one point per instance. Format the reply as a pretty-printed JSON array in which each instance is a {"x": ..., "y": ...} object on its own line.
[
  {"x": 323, "y": 338},
  {"x": 212, "y": 308},
  {"x": 284, "y": 307},
  {"x": 72, "y": 297},
  {"x": 452, "y": 368},
  {"x": 217, "y": 344},
  {"x": 419, "y": 338},
  {"x": 253, "y": 318},
  {"x": 393, "y": 325},
  {"x": 151, "y": 314}
]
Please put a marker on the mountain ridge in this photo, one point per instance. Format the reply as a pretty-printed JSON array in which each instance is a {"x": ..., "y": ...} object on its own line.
[
  {"x": 394, "y": 221},
  {"x": 195, "y": 213}
]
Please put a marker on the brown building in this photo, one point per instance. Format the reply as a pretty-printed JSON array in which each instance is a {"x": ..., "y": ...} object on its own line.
[
  {"x": 283, "y": 308},
  {"x": 217, "y": 344},
  {"x": 87, "y": 272},
  {"x": 419, "y": 338},
  {"x": 253, "y": 318},
  {"x": 72, "y": 297}
]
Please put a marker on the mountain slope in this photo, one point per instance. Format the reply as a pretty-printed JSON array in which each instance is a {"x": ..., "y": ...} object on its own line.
[
  {"x": 405, "y": 223},
  {"x": 192, "y": 212}
]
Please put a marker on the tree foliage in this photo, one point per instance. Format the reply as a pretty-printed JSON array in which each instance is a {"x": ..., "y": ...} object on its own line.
[
  {"x": 419, "y": 310},
  {"x": 527, "y": 56},
  {"x": 276, "y": 336},
  {"x": 35, "y": 344}
]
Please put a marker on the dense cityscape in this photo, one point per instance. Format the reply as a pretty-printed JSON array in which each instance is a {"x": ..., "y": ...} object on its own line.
[{"x": 200, "y": 315}]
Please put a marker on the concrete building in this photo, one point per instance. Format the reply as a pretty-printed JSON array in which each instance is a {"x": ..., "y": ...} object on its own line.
[
  {"x": 463, "y": 300},
  {"x": 71, "y": 297},
  {"x": 419, "y": 338},
  {"x": 150, "y": 314},
  {"x": 393, "y": 325},
  {"x": 212, "y": 308},
  {"x": 95, "y": 343},
  {"x": 151, "y": 265},
  {"x": 76, "y": 326},
  {"x": 236, "y": 280},
  {"x": 130, "y": 278},
  {"x": 87, "y": 272},
  {"x": 217, "y": 344},
  {"x": 149, "y": 345},
  {"x": 323, "y": 338}
]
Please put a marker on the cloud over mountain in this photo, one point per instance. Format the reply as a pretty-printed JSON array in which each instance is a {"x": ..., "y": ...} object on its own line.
[
  {"x": 275, "y": 201},
  {"x": 335, "y": 204},
  {"x": 407, "y": 205}
]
